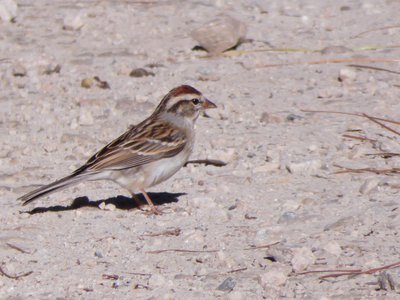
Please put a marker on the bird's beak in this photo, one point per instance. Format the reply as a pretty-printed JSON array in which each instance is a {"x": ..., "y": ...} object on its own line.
[{"x": 208, "y": 104}]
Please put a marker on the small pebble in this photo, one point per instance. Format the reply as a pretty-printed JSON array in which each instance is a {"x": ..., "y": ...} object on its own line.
[
  {"x": 87, "y": 83},
  {"x": 273, "y": 277},
  {"x": 312, "y": 148},
  {"x": 73, "y": 22},
  {"x": 369, "y": 185},
  {"x": 19, "y": 70},
  {"x": 262, "y": 235},
  {"x": 51, "y": 68},
  {"x": 345, "y": 8},
  {"x": 293, "y": 117},
  {"x": 347, "y": 75},
  {"x": 287, "y": 217},
  {"x": 333, "y": 248},
  {"x": 302, "y": 259},
  {"x": 8, "y": 10},
  {"x": 98, "y": 254},
  {"x": 305, "y": 167},
  {"x": 140, "y": 72},
  {"x": 268, "y": 118},
  {"x": 227, "y": 285},
  {"x": 85, "y": 117}
]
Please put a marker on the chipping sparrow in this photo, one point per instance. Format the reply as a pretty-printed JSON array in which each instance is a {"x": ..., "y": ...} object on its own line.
[{"x": 147, "y": 153}]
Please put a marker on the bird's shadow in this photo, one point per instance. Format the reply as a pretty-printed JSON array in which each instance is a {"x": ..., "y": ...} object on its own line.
[{"x": 120, "y": 202}]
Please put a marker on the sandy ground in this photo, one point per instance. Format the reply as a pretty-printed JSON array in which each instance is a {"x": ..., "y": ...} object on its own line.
[{"x": 279, "y": 186}]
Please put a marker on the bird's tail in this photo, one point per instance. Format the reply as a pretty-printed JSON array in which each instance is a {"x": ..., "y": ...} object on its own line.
[{"x": 52, "y": 187}]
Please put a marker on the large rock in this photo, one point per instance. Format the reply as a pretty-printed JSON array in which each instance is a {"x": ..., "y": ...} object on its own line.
[{"x": 220, "y": 34}]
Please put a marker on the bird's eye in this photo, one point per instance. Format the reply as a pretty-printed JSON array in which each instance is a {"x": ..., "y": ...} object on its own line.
[{"x": 195, "y": 101}]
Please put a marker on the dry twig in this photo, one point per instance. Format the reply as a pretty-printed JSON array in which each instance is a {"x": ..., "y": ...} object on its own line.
[
  {"x": 350, "y": 114},
  {"x": 375, "y": 120},
  {"x": 208, "y": 251},
  {"x": 110, "y": 276},
  {"x": 16, "y": 248},
  {"x": 368, "y": 170},
  {"x": 334, "y": 61},
  {"x": 373, "y": 68},
  {"x": 338, "y": 273},
  {"x": 261, "y": 246},
  {"x": 16, "y": 277},
  {"x": 361, "y": 138},
  {"x": 384, "y": 154},
  {"x": 170, "y": 232},
  {"x": 236, "y": 270},
  {"x": 181, "y": 250},
  {"x": 375, "y": 29}
]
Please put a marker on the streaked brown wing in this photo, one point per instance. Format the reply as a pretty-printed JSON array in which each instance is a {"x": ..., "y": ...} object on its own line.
[{"x": 142, "y": 144}]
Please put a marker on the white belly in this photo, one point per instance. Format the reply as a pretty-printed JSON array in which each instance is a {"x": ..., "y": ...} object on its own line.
[
  {"x": 161, "y": 170},
  {"x": 150, "y": 174}
]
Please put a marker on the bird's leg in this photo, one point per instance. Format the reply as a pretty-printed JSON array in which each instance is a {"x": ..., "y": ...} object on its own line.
[
  {"x": 153, "y": 208},
  {"x": 137, "y": 200}
]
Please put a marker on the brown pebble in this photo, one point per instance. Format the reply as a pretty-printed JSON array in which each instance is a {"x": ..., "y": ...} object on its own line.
[
  {"x": 19, "y": 70},
  {"x": 87, "y": 83},
  {"x": 140, "y": 72}
]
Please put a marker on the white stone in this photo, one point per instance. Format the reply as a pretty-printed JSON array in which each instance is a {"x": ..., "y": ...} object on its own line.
[
  {"x": 73, "y": 22},
  {"x": 347, "y": 75},
  {"x": 333, "y": 248},
  {"x": 369, "y": 185},
  {"x": 19, "y": 70},
  {"x": 302, "y": 259},
  {"x": 305, "y": 167},
  {"x": 220, "y": 34},
  {"x": 85, "y": 117},
  {"x": 273, "y": 277},
  {"x": 8, "y": 10}
]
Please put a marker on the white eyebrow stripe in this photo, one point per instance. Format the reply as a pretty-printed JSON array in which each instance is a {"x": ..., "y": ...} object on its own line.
[{"x": 176, "y": 99}]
